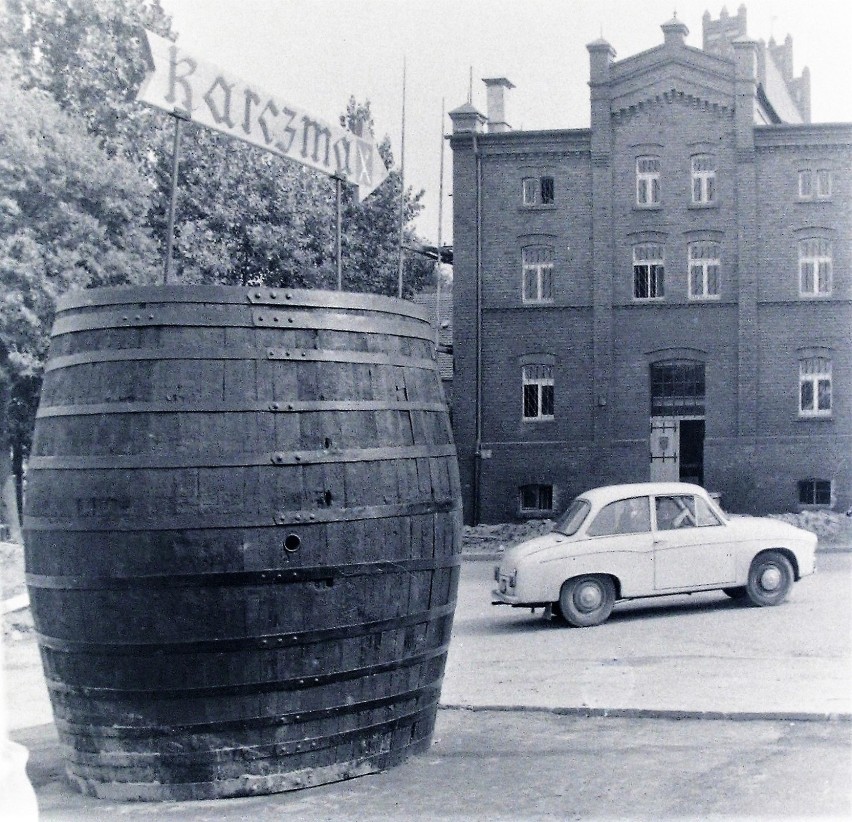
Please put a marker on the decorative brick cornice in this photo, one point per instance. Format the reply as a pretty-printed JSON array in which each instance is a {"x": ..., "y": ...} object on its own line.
[
  {"x": 673, "y": 96},
  {"x": 532, "y": 155},
  {"x": 846, "y": 148}
]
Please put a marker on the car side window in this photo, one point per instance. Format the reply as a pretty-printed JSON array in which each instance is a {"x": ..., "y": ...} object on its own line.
[
  {"x": 704, "y": 515},
  {"x": 676, "y": 511},
  {"x": 626, "y": 516}
]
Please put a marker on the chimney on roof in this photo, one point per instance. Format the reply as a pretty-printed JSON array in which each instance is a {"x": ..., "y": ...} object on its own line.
[
  {"x": 496, "y": 103},
  {"x": 674, "y": 32}
]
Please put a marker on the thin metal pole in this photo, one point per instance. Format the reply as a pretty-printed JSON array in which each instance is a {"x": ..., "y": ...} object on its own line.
[
  {"x": 338, "y": 184},
  {"x": 440, "y": 216},
  {"x": 402, "y": 186},
  {"x": 170, "y": 230}
]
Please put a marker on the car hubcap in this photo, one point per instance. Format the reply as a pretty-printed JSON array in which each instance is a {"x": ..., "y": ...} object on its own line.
[
  {"x": 770, "y": 579},
  {"x": 589, "y": 597}
]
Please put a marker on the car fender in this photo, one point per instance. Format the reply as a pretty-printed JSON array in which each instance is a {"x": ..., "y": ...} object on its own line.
[{"x": 542, "y": 581}]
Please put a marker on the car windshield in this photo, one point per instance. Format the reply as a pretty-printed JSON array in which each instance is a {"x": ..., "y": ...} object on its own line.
[{"x": 573, "y": 518}]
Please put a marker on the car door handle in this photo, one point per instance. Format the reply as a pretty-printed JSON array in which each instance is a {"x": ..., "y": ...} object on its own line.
[{"x": 661, "y": 542}]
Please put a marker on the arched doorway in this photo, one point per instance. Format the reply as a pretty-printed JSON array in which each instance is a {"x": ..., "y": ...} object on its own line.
[{"x": 677, "y": 421}]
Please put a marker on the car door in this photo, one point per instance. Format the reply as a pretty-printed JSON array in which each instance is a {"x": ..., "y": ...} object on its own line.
[
  {"x": 620, "y": 535},
  {"x": 692, "y": 546}
]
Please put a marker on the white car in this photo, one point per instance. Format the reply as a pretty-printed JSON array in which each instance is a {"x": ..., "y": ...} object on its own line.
[{"x": 648, "y": 539}]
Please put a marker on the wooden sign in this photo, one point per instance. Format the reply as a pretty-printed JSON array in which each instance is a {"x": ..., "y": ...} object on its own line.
[{"x": 181, "y": 84}]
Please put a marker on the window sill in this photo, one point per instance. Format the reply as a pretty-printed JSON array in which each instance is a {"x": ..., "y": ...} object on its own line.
[
  {"x": 705, "y": 298},
  {"x": 648, "y": 300},
  {"x": 537, "y": 420},
  {"x": 543, "y": 207},
  {"x": 536, "y": 303},
  {"x": 703, "y": 206},
  {"x": 826, "y": 416},
  {"x": 649, "y": 207},
  {"x": 807, "y": 200},
  {"x": 810, "y": 296}
]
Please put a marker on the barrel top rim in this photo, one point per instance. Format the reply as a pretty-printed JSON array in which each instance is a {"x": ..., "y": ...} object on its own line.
[{"x": 239, "y": 295}]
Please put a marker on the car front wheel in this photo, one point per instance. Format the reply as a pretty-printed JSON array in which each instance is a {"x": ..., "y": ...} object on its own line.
[
  {"x": 770, "y": 578},
  {"x": 586, "y": 601}
]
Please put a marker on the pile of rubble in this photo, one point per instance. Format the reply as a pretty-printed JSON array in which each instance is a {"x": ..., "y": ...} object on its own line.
[
  {"x": 491, "y": 539},
  {"x": 831, "y": 527}
]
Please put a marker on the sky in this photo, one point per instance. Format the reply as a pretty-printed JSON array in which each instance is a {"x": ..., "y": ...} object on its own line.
[{"x": 314, "y": 54}]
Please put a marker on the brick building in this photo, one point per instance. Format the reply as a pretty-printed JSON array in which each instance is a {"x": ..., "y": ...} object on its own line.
[{"x": 666, "y": 294}]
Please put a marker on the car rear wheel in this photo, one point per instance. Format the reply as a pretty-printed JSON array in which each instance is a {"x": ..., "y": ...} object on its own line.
[
  {"x": 770, "y": 578},
  {"x": 586, "y": 601},
  {"x": 736, "y": 593}
]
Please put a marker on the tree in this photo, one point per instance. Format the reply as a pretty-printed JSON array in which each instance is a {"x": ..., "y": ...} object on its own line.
[
  {"x": 86, "y": 177},
  {"x": 69, "y": 219}
]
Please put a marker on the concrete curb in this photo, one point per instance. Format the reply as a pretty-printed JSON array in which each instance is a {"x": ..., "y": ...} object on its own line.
[{"x": 662, "y": 713}]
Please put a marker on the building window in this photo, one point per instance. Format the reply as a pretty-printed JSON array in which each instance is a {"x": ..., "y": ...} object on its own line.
[
  {"x": 814, "y": 267},
  {"x": 814, "y": 492},
  {"x": 815, "y": 387},
  {"x": 648, "y": 271},
  {"x": 677, "y": 388},
  {"x": 538, "y": 274},
  {"x": 538, "y": 392},
  {"x": 538, "y": 191},
  {"x": 647, "y": 181},
  {"x": 703, "y": 270},
  {"x": 703, "y": 179},
  {"x": 814, "y": 184},
  {"x": 536, "y": 499}
]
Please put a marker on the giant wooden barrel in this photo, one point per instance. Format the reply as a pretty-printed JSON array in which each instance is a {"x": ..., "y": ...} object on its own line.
[{"x": 242, "y": 538}]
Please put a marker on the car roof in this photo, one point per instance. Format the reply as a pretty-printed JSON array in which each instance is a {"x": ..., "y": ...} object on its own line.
[{"x": 610, "y": 493}]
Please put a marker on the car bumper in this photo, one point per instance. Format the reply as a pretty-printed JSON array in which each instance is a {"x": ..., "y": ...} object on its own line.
[{"x": 499, "y": 597}]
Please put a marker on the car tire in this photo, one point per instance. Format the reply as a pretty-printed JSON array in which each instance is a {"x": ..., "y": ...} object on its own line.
[
  {"x": 770, "y": 578},
  {"x": 587, "y": 600},
  {"x": 736, "y": 593}
]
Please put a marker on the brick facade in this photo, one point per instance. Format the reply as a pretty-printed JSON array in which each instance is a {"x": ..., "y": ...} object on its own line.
[{"x": 672, "y": 103}]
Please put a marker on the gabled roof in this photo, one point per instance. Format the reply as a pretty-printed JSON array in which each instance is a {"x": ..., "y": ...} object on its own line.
[{"x": 644, "y": 77}]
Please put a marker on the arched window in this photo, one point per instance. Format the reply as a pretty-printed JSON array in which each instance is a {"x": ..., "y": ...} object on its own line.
[
  {"x": 703, "y": 179},
  {"x": 814, "y": 267},
  {"x": 703, "y": 270},
  {"x": 649, "y": 265},
  {"x": 538, "y": 392},
  {"x": 647, "y": 181},
  {"x": 815, "y": 387},
  {"x": 537, "y": 274}
]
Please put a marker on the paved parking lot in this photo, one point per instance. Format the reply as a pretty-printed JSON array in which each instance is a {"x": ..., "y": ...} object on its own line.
[{"x": 554, "y": 722}]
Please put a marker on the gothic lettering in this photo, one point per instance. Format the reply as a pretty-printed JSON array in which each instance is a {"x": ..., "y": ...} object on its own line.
[
  {"x": 365, "y": 164},
  {"x": 223, "y": 116},
  {"x": 261, "y": 118},
  {"x": 341, "y": 155},
  {"x": 175, "y": 78},
  {"x": 289, "y": 130},
  {"x": 251, "y": 97},
  {"x": 319, "y": 133}
]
